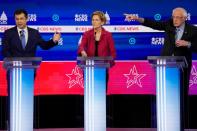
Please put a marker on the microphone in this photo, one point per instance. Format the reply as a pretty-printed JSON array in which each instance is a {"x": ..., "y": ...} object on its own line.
[
  {"x": 20, "y": 32},
  {"x": 95, "y": 35}
]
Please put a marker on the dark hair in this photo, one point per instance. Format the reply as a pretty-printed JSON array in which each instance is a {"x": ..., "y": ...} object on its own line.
[{"x": 20, "y": 11}]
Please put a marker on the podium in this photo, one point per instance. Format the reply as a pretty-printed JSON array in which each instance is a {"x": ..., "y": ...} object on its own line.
[
  {"x": 169, "y": 91},
  {"x": 95, "y": 69},
  {"x": 21, "y": 91}
]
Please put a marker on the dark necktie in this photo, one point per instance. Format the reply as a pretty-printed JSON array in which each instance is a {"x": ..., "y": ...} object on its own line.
[{"x": 22, "y": 37}]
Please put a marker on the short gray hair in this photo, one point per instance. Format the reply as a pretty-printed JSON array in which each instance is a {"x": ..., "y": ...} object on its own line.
[{"x": 181, "y": 9}]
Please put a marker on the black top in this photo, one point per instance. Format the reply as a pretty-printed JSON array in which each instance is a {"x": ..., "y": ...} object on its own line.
[{"x": 96, "y": 48}]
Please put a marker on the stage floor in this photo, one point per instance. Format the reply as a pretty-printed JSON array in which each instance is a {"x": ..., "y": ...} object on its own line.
[{"x": 109, "y": 129}]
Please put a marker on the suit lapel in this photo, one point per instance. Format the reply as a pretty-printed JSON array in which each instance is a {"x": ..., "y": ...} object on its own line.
[
  {"x": 103, "y": 33},
  {"x": 185, "y": 32},
  {"x": 28, "y": 39}
]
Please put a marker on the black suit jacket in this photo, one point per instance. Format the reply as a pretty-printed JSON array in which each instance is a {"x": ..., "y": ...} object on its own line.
[
  {"x": 169, "y": 48},
  {"x": 12, "y": 46}
]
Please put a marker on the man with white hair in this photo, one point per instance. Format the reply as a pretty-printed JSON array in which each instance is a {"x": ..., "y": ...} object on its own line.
[{"x": 180, "y": 40}]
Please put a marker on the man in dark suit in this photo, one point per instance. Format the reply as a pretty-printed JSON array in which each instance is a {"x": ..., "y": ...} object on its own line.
[
  {"x": 22, "y": 41},
  {"x": 180, "y": 40}
]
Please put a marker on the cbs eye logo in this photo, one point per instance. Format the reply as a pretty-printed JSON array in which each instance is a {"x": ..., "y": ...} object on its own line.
[
  {"x": 55, "y": 17},
  {"x": 132, "y": 41},
  {"x": 157, "y": 17}
]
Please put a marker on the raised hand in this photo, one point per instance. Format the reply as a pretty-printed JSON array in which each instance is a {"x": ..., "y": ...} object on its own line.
[
  {"x": 56, "y": 37},
  {"x": 130, "y": 17}
]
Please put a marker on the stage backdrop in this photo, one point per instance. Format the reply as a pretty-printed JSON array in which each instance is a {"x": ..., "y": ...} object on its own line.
[{"x": 132, "y": 74}]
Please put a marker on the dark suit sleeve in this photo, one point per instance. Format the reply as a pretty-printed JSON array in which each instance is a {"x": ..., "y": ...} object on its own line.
[
  {"x": 5, "y": 45},
  {"x": 155, "y": 24},
  {"x": 44, "y": 44},
  {"x": 194, "y": 41}
]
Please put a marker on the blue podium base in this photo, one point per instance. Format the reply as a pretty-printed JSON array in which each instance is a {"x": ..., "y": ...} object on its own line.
[
  {"x": 95, "y": 99},
  {"x": 168, "y": 99},
  {"x": 21, "y": 99}
]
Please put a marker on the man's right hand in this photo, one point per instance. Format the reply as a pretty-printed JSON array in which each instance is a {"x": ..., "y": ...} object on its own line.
[
  {"x": 56, "y": 37},
  {"x": 83, "y": 54}
]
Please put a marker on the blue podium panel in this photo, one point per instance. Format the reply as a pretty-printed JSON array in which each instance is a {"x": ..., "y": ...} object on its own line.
[
  {"x": 95, "y": 98},
  {"x": 95, "y": 91},
  {"x": 168, "y": 99},
  {"x": 21, "y": 95},
  {"x": 168, "y": 93},
  {"x": 21, "y": 99}
]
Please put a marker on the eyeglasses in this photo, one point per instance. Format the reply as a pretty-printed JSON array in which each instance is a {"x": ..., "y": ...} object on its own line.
[{"x": 177, "y": 17}]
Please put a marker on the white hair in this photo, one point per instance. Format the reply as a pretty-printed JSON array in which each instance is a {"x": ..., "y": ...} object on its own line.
[{"x": 180, "y": 9}]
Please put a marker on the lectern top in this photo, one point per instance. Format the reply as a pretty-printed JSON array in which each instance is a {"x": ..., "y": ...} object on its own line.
[
  {"x": 178, "y": 61},
  {"x": 95, "y": 61},
  {"x": 21, "y": 62}
]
